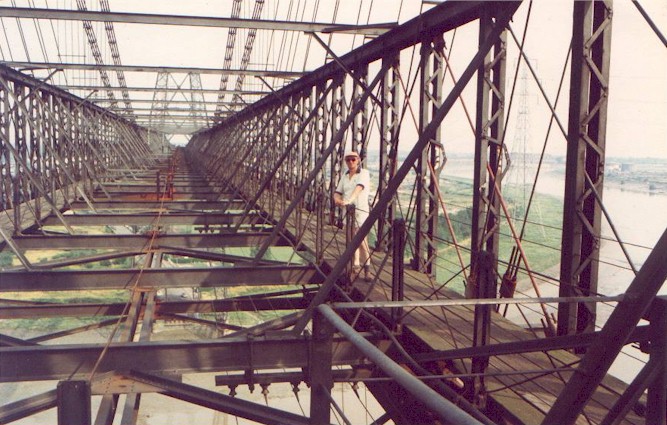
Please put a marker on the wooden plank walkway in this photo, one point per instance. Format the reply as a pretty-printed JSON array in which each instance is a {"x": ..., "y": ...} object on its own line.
[{"x": 515, "y": 382}]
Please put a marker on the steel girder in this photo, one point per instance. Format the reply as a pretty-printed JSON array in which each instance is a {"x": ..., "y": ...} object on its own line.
[
  {"x": 589, "y": 91},
  {"x": 151, "y": 218},
  {"x": 134, "y": 242},
  {"x": 68, "y": 280},
  {"x": 151, "y": 68},
  {"x": 200, "y": 21},
  {"x": 166, "y": 308},
  {"x": 88, "y": 88},
  {"x": 389, "y": 131},
  {"x": 432, "y": 160},
  {"x": 489, "y": 144},
  {"x": 232, "y": 354}
]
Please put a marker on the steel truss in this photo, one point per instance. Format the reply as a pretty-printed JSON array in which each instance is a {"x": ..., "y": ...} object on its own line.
[
  {"x": 54, "y": 149},
  {"x": 582, "y": 217},
  {"x": 263, "y": 180}
]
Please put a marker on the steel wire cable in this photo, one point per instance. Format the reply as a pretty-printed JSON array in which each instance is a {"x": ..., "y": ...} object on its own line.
[
  {"x": 554, "y": 115},
  {"x": 22, "y": 35},
  {"x": 38, "y": 30},
  {"x": 56, "y": 42},
  {"x": 9, "y": 45},
  {"x": 408, "y": 106}
]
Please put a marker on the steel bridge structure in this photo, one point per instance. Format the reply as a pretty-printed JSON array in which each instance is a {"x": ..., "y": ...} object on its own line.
[{"x": 200, "y": 272}]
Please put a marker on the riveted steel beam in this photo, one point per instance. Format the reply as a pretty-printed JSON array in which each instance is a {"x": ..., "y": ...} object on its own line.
[
  {"x": 163, "y": 308},
  {"x": 196, "y": 21},
  {"x": 151, "y": 68},
  {"x": 68, "y": 280},
  {"x": 197, "y": 241},
  {"x": 76, "y": 360},
  {"x": 582, "y": 213},
  {"x": 148, "y": 218},
  {"x": 489, "y": 140},
  {"x": 432, "y": 159}
]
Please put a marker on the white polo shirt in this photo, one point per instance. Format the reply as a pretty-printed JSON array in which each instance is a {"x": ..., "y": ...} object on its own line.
[{"x": 346, "y": 186}]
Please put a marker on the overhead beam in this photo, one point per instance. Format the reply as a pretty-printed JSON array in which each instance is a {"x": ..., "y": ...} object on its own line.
[
  {"x": 170, "y": 102},
  {"x": 165, "y": 89},
  {"x": 68, "y": 280},
  {"x": 151, "y": 68},
  {"x": 233, "y": 354},
  {"x": 195, "y": 21}
]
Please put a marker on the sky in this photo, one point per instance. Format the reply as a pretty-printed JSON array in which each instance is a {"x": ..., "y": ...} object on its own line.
[{"x": 638, "y": 84}]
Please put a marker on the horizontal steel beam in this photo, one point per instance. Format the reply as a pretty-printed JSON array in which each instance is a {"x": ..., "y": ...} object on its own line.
[
  {"x": 137, "y": 242},
  {"x": 120, "y": 196},
  {"x": 150, "y": 68},
  {"x": 641, "y": 334},
  {"x": 174, "y": 112},
  {"x": 196, "y": 21},
  {"x": 169, "y": 102},
  {"x": 338, "y": 375},
  {"x": 162, "y": 308},
  {"x": 69, "y": 280},
  {"x": 183, "y": 187},
  {"x": 148, "y": 218},
  {"x": 234, "y": 354},
  {"x": 163, "y": 89},
  {"x": 170, "y": 205}
]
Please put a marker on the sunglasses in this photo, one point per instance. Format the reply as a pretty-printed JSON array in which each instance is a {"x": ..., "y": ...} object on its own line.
[{"x": 351, "y": 159}]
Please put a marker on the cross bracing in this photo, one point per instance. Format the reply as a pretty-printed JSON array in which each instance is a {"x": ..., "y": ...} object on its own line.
[{"x": 121, "y": 241}]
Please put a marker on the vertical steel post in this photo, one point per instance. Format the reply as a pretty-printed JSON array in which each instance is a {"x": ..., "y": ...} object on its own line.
[
  {"x": 432, "y": 72},
  {"x": 389, "y": 129},
  {"x": 489, "y": 135},
  {"x": 74, "y": 403},
  {"x": 486, "y": 288},
  {"x": 397, "y": 269},
  {"x": 349, "y": 222},
  {"x": 337, "y": 116},
  {"x": 321, "y": 378},
  {"x": 7, "y": 171},
  {"x": 361, "y": 121},
  {"x": 656, "y": 401},
  {"x": 589, "y": 85},
  {"x": 20, "y": 176},
  {"x": 319, "y": 147}
]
